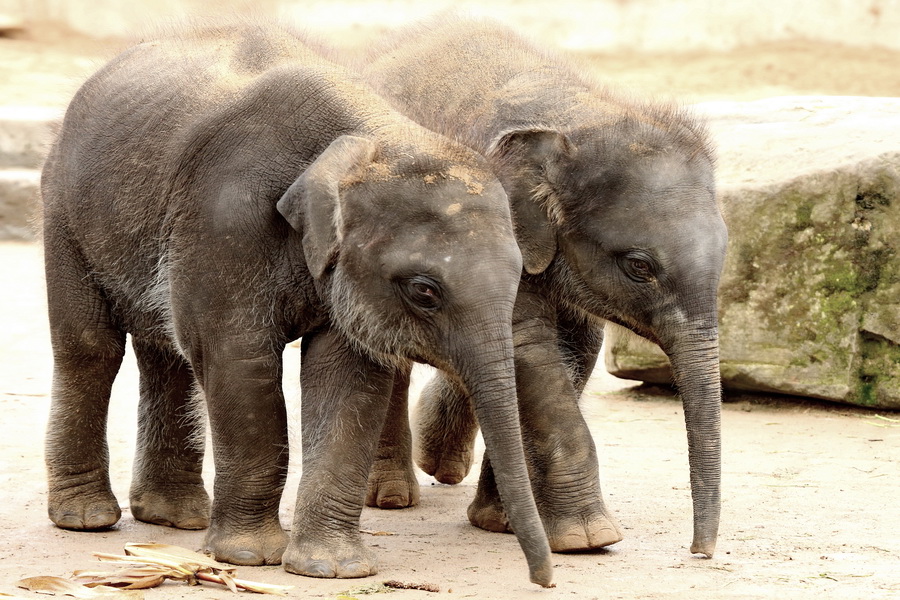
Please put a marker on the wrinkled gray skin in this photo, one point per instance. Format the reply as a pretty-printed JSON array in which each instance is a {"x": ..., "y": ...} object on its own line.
[
  {"x": 616, "y": 217},
  {"x": 217, "y": 195}
]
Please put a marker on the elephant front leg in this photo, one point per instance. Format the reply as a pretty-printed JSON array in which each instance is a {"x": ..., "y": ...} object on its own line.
[
  {"x": 167, "y": 486},
  {"x": 392, "y": 480},
  {"x": 345, "y": 400},
  {"x": 580, "y": 340},
  {"x": 241, "y": 380},
  {"x": 561, "y": 452}
]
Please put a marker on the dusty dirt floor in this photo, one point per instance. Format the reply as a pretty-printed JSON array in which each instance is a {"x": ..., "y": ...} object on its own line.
[{"x": 810, "y": 490}]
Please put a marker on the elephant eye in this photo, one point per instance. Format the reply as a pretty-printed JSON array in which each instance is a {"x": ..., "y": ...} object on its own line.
[
  {"x": 638, "y": 266},
  {"x": 423, "y": 292}
]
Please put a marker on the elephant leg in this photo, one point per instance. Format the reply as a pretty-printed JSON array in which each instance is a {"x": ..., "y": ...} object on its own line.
[
  {"x": 167, "y": 486},
  {"x": 392, "y": 480},
  {"x": 345, "y": 401},
  {"x": 580, "y": 341},
  {"x": 240, "y": 376},
  {"x": 560, "y": 449},
  {"x": 445, "y": 428},
  {"x": 87, "y": 352}
]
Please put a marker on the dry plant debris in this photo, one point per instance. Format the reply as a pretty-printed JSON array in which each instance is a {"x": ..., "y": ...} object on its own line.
[
  {"x": 148, "y": 565},
  {"x": 385, "y": 587},
  {"x": 401, "y": 585},
  {"x": 67, "y": 587}
]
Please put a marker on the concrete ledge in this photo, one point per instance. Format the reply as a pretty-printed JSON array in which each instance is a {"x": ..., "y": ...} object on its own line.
[
  {"x": 25, "y": 135},
  {"x": 19, "y": 190}
]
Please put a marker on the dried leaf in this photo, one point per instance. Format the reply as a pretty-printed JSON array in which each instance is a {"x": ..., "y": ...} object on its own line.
[
  {"x": 14, "y": 597},
  {"x": 263, "y": 588},
  {"x": 138, "y": 578},
  {"x": 243, "y": 584},
  {"x": 139, "y": 583},
  {"x": 146, "y": 566},
  {"x": 228, "y": 580},
  {"x": 135, "y": 571},
  {"x": 176, "y": 554},
  {"x": 58, "y": 585},
  {"x": 176, "y": 569},
  {"x": 204, "y": 567}
]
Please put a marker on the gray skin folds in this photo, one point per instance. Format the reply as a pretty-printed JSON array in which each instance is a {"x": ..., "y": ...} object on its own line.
[
  {"x": 221, "y": 192},
  {"x": 615, "y": 213}
]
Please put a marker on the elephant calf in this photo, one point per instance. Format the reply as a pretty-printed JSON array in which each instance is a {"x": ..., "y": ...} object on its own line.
[
  {"x": 615, "y": 212},
  {"x": 218, "y": 193}
]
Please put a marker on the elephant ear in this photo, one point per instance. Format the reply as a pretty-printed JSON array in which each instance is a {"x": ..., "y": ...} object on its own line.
[
  {"x": 312, "y": 205},
  {"x": 525, "y": 157}
]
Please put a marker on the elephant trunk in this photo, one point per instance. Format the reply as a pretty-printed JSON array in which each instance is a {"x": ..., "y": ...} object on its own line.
[
  {"x": 695, "y": 364},
  {"x": 489, "y": 375}
]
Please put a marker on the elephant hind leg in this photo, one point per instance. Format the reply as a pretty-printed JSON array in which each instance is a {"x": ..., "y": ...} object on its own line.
[
  {"x": 486, "y": 510},
  {"x": 392, "y": 480},
  {"x": 167, "y": 486},
  {"x": 445, "y": 430},
  {"x": 87, "y": 352}
]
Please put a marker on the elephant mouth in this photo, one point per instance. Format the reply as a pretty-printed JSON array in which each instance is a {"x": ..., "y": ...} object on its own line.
[{"x": 638, "y": 328}]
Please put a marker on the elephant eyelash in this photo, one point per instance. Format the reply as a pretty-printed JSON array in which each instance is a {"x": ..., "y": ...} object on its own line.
[
  {"x": 422, "y": 292},
  {"x": 638, "y": 266}
]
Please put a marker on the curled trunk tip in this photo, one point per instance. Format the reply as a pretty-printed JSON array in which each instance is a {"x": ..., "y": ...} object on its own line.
[
  {"x": 706, "y": 547},
  {"x": 543, "y": 574}
]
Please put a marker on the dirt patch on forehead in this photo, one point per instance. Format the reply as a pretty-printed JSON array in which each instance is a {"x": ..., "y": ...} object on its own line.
[
  {"x": 468, "y": 177},
  {"x": 379, "y": 171}
]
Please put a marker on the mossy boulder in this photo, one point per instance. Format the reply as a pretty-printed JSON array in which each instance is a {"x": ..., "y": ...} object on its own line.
[{"x": 810, "y": 295}]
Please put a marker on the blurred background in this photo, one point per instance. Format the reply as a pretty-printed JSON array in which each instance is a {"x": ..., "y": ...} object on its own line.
[
  {"x": 692, "y": 49},
  {"x": 644, "y": 25}
]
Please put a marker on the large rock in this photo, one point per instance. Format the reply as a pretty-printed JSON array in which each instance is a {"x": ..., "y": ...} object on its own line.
[{"x": 810, "y": 296}]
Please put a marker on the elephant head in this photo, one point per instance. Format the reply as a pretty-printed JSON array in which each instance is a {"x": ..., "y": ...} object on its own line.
[
  {"x": 415, "y": 254},
  {"x": 623, "y": 217}
]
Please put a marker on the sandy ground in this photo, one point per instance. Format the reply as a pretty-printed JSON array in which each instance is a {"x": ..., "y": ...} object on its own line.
[{"x": 810, "y": 493}]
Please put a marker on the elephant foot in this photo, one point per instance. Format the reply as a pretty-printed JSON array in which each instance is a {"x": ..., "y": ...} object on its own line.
[
  {"x": 566, "y": 533},
  {"x": 445, "y": 454},
  {"x": 83, "y": 509},
  {"x": 488, "y": 514},
  {"x": 247, "y": 548},
  {"x": 392, "y": 485},
  {"x": 183, "y": 506},
  {"x": 317, "y": 556},
  {"x": 572, "y": 533},
  {"x": 448, "y": 465},
  {"x": 445, "y": 429}
]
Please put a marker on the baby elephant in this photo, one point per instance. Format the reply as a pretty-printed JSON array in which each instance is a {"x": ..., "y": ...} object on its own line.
[
  {"x": 616, "y": 216},
  {"x": 221, "y": 192}
]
